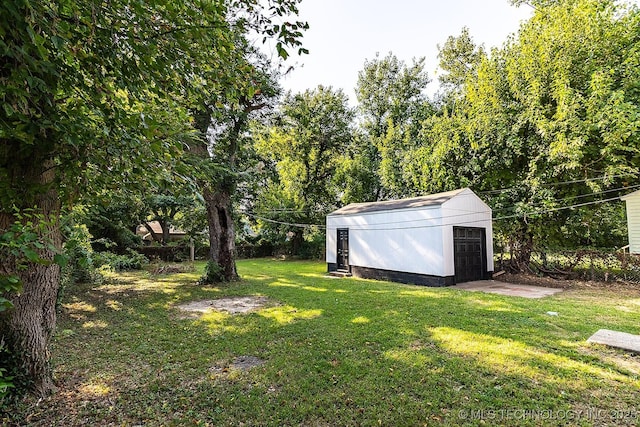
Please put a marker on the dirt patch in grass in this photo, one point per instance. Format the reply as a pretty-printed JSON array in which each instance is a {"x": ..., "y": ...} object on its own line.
[
  {"x": 626, "y": 362},
  {"x": 243, "y": 363},
  {"x": 240, "y": 363},
  {"x": 232, "y": 305}
]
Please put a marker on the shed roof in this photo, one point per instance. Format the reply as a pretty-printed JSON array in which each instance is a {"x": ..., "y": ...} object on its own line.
[
  {"x": 414, "y": 202},
  {"x": 626, "y": 196},
  {"x": 157, "y": 228}
]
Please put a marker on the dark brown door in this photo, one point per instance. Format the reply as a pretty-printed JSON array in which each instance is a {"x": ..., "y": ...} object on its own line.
[
  {"x": 343, "y": 249},
  {"x": 469, "y": 253}
]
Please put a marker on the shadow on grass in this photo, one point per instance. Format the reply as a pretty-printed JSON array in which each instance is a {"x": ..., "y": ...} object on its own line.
[{"x": 337, "y": 352}]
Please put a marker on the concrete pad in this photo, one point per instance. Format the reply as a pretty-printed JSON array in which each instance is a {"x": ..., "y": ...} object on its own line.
[
  {"x": 616, "y": 339},
  {"x": 510, "y": 289}
]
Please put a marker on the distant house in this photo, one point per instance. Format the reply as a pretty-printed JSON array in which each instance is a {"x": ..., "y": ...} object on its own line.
[
  {"x": 434, "y": 240},
  {"x": 147, "y": 235},
  {"x": 632, "y": 201}
]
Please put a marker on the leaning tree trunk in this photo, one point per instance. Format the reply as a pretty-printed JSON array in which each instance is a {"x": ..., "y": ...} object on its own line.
[
  {"x": 296, "y": 242},
  {"x": 221, "y": 231},
  {"x": 27, "y": 327},
  {"x": 521, "y": 249}
]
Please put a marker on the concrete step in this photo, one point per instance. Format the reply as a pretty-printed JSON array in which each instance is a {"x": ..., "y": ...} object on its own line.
[
  {"x": 617, "y": 339},
  {"x": 339, "y": 274}
]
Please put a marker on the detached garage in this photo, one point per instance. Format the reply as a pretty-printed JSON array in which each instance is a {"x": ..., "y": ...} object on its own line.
[{"x": 435, "y": 240}]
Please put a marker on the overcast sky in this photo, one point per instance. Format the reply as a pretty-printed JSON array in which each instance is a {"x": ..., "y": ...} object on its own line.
[{"x": 343, "y": 33}]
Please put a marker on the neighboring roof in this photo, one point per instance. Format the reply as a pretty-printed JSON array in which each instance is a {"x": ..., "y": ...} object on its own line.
[
  {"x": 414, "y": 202},
  {"x": 155, "y": 225},
  {"x": 626, "y": 196}
]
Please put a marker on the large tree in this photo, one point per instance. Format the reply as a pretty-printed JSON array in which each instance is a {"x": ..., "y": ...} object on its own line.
[
  {"x": 222, "y": 154},
  {"x": 306, "y": 144},
  {"x": 459, "y": 59},
  {"x": 544, "y": 122},
  {"x": 93, "y": 92},
  {"x": 392, "y": 103}
]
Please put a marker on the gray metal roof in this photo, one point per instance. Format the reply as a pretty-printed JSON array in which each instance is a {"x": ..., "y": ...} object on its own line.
[
  {"x": 414, "y": 202},
  {"x": 626, "y": 196}
]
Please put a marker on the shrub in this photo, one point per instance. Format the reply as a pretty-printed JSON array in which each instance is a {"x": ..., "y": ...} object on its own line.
[
  {"x": 171, "y": 253},
  {"x": 313, "y": 247},
  {"x": 131, "y": 261},
  {"x": 79, "y": 255},
  {"x": 213, "y": 273},
  {"x": 6, "y": 382}
]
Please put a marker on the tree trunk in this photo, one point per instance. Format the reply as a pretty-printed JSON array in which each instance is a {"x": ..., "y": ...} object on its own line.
[
  {"x": 296, "y": 242},
  {"x": 28, "y": 326},
  {"x": 521, "y": 250},
  {"x": 154, "y": 235},
  {"x": 221, "y": 231},
  {"x": 165, "y": 232}
]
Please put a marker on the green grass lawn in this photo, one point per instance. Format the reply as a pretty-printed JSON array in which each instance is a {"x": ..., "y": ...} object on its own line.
[{"x": 337, "y": 352}]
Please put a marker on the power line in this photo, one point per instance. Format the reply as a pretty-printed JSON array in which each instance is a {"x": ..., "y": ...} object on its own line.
[
  {"x": 579, "y": 196},
  {"x": 468, "y": 213},
  {"x": 292, "y": 224},
  {"x": 542, "y": 212},
  {"x": 523, "y": 215},
  {"x": 550, "y": 184}
]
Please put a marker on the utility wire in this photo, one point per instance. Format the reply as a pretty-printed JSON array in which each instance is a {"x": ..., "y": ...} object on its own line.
[
  {"x": 293, "y": 224},
  {"x": 551, "y": 184},
  {"x": 541, "y": 212},
  {"x": 373, "y": 227},
  {"x": 468, "y": 213}
]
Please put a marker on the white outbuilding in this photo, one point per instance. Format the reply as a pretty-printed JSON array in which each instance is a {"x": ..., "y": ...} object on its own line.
[
  {"x": 436, "y": 240},
  {"x": 632, "y": 201}
]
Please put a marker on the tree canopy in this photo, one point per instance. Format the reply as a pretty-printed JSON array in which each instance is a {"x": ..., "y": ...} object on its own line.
[{"x": 94, "y": 96}]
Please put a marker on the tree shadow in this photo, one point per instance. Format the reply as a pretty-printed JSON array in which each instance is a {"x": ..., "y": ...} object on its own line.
[{"x": 344, "y": 351}]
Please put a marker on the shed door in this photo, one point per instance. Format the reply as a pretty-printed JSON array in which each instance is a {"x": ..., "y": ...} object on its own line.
[
  {"x": 343, "y": 249},
  {"x": 469, "y": 254}
]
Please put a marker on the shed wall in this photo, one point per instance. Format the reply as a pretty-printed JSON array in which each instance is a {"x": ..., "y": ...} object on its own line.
[
  {"x": 465, "y": 210},
  {"x": 403, "y": 240},
  {"x": 633, "y": 222}
]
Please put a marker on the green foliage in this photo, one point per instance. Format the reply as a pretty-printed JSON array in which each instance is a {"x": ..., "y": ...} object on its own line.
[
  {"x": 304, "y": 145},
  {"x": 110, "y": 220},
  {"x": 213, "y": 273},
  {"x": 6, "y": 381},
  {"x": 558, "y": 103},
  {"x": 21, "y": 243},
  {"x": 98, "y": 95},
  {"x": 80, "y": 266},
  {"x": 392, "y": 105},
  {"x": 132, "y": 260},
  {"x": 459, "y": 58},
  {"x": 314, "y": 244}
]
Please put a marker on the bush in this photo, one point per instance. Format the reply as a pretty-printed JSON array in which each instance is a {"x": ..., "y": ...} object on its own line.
[
  {"x": 79, "y": 254},
  {"x": 585, "y": 264},
  {"x": 131, "y": 261},
  {"x": 254, "y": 247},
  {"x": 171, "y": 253},
  {"x": 213, "y": 273},
  {"x": 6, "y": 382},
  {"x": 313, "y": 247}
]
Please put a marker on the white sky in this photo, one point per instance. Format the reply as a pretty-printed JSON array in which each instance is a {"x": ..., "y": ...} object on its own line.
[{"x": 343, "y": 33}]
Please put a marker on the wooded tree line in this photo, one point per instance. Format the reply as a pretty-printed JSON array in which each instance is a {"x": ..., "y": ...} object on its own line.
[
  {"x": 167, "y": 111},
  {"x": 546, "y": 122}
]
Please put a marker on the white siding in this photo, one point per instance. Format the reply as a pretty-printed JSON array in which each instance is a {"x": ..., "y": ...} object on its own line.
[
  {"x": 408, "y": 240},
  {"x": 633, "y": 221},
  {"x": 412, "y": 240}
]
